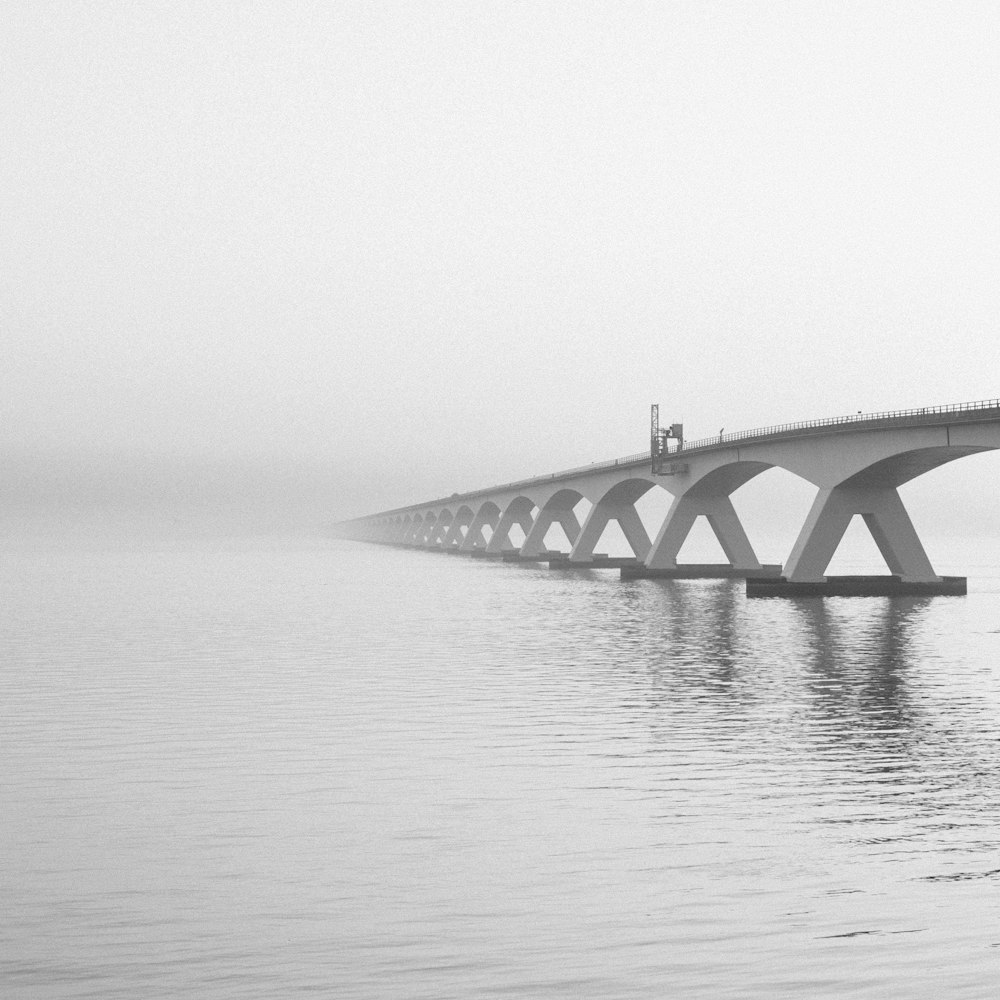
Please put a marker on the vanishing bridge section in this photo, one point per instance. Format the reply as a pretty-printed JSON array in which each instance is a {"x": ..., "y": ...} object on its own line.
[{"x": 857, "y": 464}]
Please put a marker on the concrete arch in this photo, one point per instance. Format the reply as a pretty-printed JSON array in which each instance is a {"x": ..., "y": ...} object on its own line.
[
  {"x": 519, "y": 511},
  {"x": 901, "y": 453},
  {"x": 463, "y": 519},
  {"x": 708, "y": 496},
  {"x": 426, "y": 527},
  {"x": 440, "y": 529},
  {"x": 487, "y": 516},
  {"x": 617, "y": 503},
  {"x": 416, "y": 523},
  {"x": 872, "y": 492},
  {"x": 488, "y": 507},
  {"x": 862, "y": 482},
  {"x": 628, "y": 490},
  {"x": 728, "y": 477},
  {"x": 895, "y": 470},
  {"x": 557, "y": 509},
  {"x": 564, "y": 499}
]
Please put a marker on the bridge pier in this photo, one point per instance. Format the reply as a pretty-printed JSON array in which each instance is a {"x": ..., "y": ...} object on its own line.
[
  {"x": 725, "y": 523},
  {"x": 597, "y": 520},
  {"x": 889, "y": 523},
  {"x": 887, "y": 520},
  {"x": 486, "y": 517},
  {"x": 534, "y": 542},
  {"x": 441, "y": 528},
  {"x": 424, "y": 531},
  {"x": 518, "y": 512},
  {"x": 453, "y": 539}
]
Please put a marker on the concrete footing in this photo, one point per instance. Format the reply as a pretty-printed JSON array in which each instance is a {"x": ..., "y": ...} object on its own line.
[
  {"x": 598, "y": 561},
  {"x": 483, "y": 554},
  {"x": 541, "y": 557},
  {"x": 856, "y": 586},
  {"x": 698, "y": 571}
]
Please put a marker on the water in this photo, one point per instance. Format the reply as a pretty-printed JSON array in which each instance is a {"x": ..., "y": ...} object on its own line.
[{"x": 317, "y": 768}]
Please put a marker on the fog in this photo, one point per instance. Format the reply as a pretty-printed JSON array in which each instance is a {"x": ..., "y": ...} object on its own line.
[{"x": 282, "y": 263}]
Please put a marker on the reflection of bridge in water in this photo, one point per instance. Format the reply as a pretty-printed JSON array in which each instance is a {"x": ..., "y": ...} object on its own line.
[{"x": 857, "y": 464}]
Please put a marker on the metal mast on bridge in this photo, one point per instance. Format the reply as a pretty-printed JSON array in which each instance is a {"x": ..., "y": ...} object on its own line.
[{"x": 659, "y": 448}]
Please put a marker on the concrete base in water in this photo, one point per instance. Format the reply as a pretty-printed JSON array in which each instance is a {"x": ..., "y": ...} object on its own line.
[
  {"x": 856, "y": 586},
  {"x": 698, "y": 571},
  {"x": 483, "y": 554},
  {"x": 541, "y": 557},
  {"x": 599, "y": 561}
]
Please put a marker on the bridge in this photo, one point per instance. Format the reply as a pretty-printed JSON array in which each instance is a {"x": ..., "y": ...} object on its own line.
[{"x": 857, "y": 464}]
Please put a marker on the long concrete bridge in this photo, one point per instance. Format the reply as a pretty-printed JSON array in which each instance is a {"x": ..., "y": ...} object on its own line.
[{"x": 857, "y": 464}]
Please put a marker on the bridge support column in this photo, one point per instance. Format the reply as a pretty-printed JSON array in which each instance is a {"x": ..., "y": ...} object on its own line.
[
  {"x": 534, "y": 542},
  {"x": 486, "y": 517},
  {"x": 424, "y": 531},
  {"x": 453, "y": 539},
  {"x": 597, "y": 520},
  {"x": 440, "y": 529},
  {"x": 725, "y": 522},
  {"x": 516, "y": 513},
  {"x": 887, "y": 520}
]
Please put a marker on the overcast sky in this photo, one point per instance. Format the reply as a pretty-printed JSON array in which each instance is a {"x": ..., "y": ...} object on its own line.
[{"x": 416, "y": 247}]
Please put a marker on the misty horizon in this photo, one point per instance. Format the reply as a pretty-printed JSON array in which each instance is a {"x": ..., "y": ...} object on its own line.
[{"x": 365, "y": 256}]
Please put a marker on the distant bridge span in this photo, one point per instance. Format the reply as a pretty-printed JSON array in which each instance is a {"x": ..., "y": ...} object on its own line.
[{"x": 857, "y": 464}]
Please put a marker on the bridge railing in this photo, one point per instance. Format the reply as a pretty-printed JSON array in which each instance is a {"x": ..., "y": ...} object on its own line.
[
  {"x": 878, "y": 419},
  {"x": 775, "y": 430},
  {"x": 885, "y": 418}
]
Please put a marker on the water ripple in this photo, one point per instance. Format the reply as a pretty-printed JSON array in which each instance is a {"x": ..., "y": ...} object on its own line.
[{"x": 364, "y": 772}]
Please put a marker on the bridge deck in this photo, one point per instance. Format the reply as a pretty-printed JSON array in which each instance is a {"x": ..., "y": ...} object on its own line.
[{"x": 927, "y": 416}]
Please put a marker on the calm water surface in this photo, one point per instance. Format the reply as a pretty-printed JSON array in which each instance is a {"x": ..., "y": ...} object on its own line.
[{"x": 326, "y": 769}]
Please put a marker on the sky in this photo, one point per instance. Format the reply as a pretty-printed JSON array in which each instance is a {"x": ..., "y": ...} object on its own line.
[{"x": 332, "y": 258}]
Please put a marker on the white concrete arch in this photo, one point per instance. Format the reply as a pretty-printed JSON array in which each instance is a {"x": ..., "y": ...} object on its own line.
[
  {"x": 831, "y": 459},
  {"x": 895, "y": 470},
  {"x": 487, "y": 516},
  {"x": 426, "y": 527},
  {"x": 430, "y": 523},
  {"x": 416, "y": 522},
  {"x": 557, "y": 509},
  {"x": 708, "y": 495},
  {"x": 442, "y": 525},
  {"x": 462, "y": 519},
  {"x": 856, "y": 477},
  {"x": 872, "y": 492},
  {"x": 617, "y": 503},
  {"x": 519, "y": 511}
]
